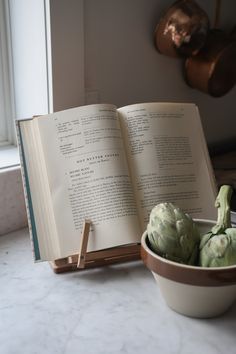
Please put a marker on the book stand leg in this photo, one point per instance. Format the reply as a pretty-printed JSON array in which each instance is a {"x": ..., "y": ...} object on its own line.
[
  {"x": 84, "y": 259},
  {"x": 83, "y": 245}
]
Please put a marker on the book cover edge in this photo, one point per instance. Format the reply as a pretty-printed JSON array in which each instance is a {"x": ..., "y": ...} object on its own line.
[{"x": 28, "y": 199}]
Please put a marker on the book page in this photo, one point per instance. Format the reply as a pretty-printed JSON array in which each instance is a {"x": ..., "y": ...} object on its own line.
[
  {"x": 37, "y": 194},
  {"x": 88, "y": 177},
  {"x": 168, "y": 158}
]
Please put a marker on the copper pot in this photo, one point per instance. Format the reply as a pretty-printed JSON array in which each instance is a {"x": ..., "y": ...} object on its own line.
[
  {"x": 213, "y": 69},
  {"x": 182, "y": 30}
]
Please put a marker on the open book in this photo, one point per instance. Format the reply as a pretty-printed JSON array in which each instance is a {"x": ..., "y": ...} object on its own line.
[{"x": 111, "y": 166}]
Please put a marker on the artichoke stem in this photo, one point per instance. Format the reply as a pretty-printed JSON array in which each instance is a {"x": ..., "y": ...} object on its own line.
[{"x": 223, "y": 205}]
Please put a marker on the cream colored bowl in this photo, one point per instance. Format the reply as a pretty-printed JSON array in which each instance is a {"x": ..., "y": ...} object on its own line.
[{"x": 191, "y": 290}]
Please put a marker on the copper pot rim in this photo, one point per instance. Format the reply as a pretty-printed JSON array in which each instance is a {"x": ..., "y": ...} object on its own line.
[
  {"x": 212, "y": 62},
  {"x": 170, "y": 49}
]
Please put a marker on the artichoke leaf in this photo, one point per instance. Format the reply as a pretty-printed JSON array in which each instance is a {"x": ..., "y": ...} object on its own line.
[
  {"x": 172, "y": 233},
  {"x": 218, "y": 247}
]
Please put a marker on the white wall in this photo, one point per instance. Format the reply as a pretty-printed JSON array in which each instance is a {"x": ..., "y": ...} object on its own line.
[
  {"x": 67, "y": 41},
  {"x": 121, "y": 63}
]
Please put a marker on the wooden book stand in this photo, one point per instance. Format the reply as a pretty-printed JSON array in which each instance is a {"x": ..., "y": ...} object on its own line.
[{"x": 84, "y": 259}]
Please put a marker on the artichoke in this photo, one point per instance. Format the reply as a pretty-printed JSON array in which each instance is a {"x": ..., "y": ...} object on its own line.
[
  {"x": 172, "y": 234},
  {"x": 218, "y": 246}
]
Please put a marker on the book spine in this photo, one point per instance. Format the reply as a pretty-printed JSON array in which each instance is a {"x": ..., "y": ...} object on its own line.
[{"x": 27, "y": 194}]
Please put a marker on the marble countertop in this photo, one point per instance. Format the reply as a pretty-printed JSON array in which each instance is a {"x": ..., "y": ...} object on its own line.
[{"x": 117, "y": 309}]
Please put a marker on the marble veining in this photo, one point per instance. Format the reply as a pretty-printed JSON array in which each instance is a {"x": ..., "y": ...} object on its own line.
[
  {"x": 117, "y": 309},
  {"x": 12, "y": 206}
]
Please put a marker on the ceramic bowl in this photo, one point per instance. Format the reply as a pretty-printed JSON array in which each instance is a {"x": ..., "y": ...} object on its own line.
[{"x": 190, "y": 290}]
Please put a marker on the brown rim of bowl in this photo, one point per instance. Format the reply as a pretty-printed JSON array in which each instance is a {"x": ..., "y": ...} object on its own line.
[{"x": 182, "y": 273}]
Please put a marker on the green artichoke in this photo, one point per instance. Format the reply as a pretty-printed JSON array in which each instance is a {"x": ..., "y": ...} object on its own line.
[
  {"x": 218, "y": 246},
  {"x": 172, "y": 234}
]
